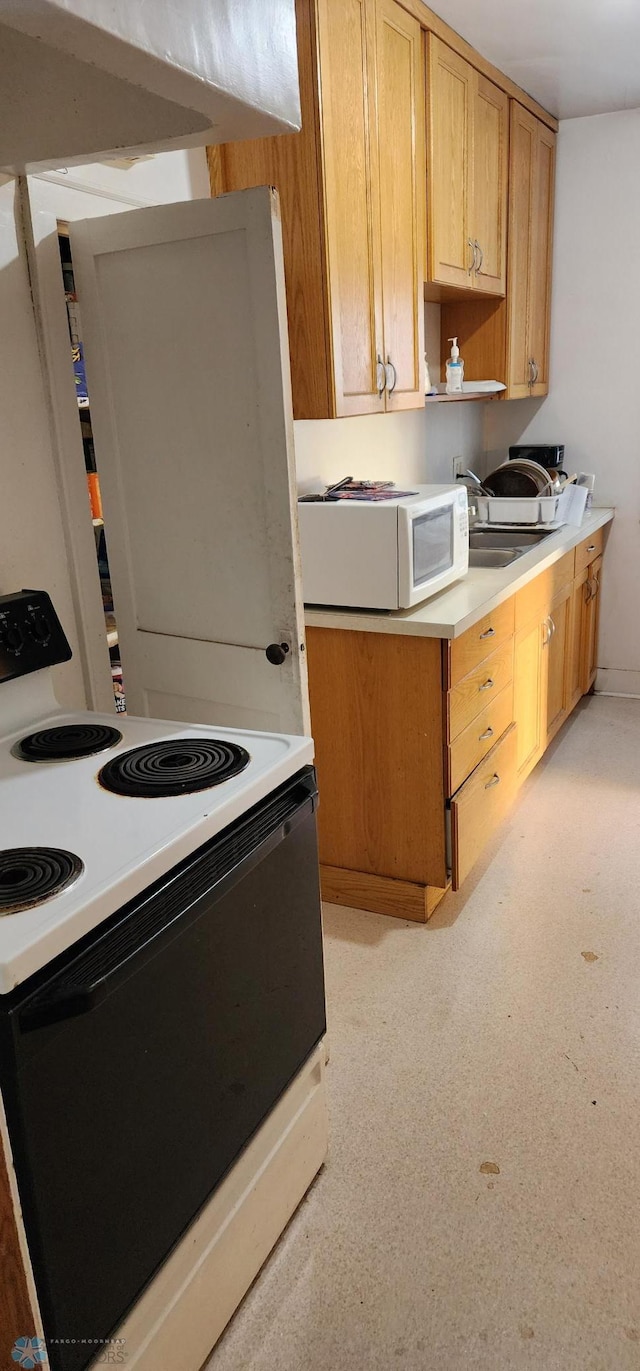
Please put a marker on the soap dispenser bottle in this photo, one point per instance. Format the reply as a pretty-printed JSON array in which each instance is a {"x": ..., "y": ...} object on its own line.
[{"x": 455, "y": 369}]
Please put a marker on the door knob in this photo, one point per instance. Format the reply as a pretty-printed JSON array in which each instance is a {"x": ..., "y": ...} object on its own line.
[{"x": 276, "y": 653}]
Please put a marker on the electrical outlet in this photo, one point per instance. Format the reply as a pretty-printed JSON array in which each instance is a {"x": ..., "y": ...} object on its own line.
[{"x": 457, "y": 467}]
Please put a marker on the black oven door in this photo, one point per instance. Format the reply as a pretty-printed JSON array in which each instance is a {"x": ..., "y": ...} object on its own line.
[{"x": 143, "y": 1061}]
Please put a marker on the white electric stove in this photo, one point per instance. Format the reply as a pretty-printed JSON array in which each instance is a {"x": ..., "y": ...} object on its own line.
[
  {"x": 52, "y": 798},
  {"x": 161, "y": 1007}
]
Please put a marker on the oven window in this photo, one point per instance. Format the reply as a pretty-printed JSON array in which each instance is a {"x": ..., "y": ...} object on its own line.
[{"x": 432, "y": 544}]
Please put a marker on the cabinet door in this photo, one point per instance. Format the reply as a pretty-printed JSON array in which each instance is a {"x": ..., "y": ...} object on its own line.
[
  {"x": 450, "y": 94},
  {"x": 577, "y": 606},
  {"x": 402, "y": 211},
  {"x": 377, "y": 718},
  {"x": 346, "y": 36},
  {"x": 590, "y": 626},
  {"x": 541, "y": 252},
  {"x": 489, "y": 196},
  {"x": 523, "y": 141},
  {"x": 184, "y": 320},
  {"x": 556, "y": 637},
  {"x": 529, "y": 696}
]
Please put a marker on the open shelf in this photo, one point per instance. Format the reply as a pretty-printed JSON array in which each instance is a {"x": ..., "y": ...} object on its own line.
[{"x": 461, "y": 399}]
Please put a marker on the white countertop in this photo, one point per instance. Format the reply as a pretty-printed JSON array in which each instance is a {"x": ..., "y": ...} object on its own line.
[{"x": 455, "y": 610}]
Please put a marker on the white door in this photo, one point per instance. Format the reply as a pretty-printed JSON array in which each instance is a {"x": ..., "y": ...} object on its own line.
[{"x": 185, "y": 340}]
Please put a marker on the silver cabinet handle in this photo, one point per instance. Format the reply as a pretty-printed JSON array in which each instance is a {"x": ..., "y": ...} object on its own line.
[
  {"x": 488, "y": 685},
  {"x": 488, "y": 733},
  {"x": 380, "y": 384},
  {"x": 488, "y": 633},
  {"x": 472, "y": 245},
  {"x": 591, "y": 547},
  {"x": 495, "y": 780},
  {"x": 552, "y": 627},
  {"x": 481, "y": 253},
  {"x": 535, "y": 371},
  {"x": 546, "y": 633},
  {"x": 530, "y": 383},
  {"x": 391, "y": 367}
]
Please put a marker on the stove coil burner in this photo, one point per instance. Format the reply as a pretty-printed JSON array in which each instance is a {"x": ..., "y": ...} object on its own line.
[
  {"x": 175, "y": 766},
  {"x": 31, "y": 875},
  {"x": 67, "y": 742}
]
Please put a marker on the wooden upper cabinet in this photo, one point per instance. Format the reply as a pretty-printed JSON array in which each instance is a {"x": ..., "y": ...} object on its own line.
[
  {"x": 490, "y": 172},
  {"x": 530, "y": 248},
  {"x": 346, "y": 41},
  {"x": 449, "y": 104},
  {"x": 521, "y": 215},
  {"x": 352, "y": 200},
  {"x": 402, "y": 211},
  {"x": 542, "y": 250},
  {"x": 467, "y": 169},
  {"x": 509, "y": 341}
]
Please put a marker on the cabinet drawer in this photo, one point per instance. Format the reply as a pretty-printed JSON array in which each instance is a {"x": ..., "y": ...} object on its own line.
[
  {"x": 475, "y": 741},
  {"x": 475, "y": 691},
  {"x": 481, "y": 805},
  {"x": 476, "y": 644},
  {"x": 587, "y": 551},
  {"x": 533, "y": 601}
]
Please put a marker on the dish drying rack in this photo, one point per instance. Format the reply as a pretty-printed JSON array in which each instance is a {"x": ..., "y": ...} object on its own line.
[{"x": 542, "y": 511}]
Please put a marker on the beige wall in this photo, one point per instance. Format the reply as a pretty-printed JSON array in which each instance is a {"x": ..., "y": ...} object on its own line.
[{"x": 417, "y": 445}]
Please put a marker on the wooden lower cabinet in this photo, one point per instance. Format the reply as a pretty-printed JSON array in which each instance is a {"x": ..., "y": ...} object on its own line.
[
  {"x": 574, "y": 640},
  {"x": 421, "y": 744},
  {"x": 481, "y": 804},
  {"x": 529, "y": 695},
  {"x": 590, "y": 625},
  {"x": 471, "y": 746},
  {"x": 557, "y": 652},
  {"x": 482, "y": 685},
  {"x": 377, "y": 717}
]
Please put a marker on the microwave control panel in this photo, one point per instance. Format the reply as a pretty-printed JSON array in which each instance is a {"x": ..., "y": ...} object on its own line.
[{"x": 463, "y": 512}]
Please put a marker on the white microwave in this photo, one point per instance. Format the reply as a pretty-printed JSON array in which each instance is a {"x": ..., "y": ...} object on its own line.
[{"x": 387, "y": 554}]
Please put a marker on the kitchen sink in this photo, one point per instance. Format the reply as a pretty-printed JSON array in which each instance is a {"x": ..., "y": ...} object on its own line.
[
  {"x": 507, "y": 538},
  {"x": 494, "y": 556},
  {"x": 495, "y": 547}
]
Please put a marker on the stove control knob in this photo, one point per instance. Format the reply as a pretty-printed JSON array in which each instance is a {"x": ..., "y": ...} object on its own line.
[
  {"x": 11, "y": 637},
  {"x": 40, "y": 628}
]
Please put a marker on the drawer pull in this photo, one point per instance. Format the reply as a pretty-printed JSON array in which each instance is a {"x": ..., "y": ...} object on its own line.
[
  {"x": 488, "y": 633},
  {"x": 495, "y": 780},
  {"x": 488, "y": 733},
  {"x": 488, "y": 685},
  {"x": 591, "y": 547}
]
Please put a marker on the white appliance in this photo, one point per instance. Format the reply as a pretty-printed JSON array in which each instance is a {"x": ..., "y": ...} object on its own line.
[
  {"x": 160, "y": 962},
  {"x": 123, "y": 844},
  {"x": 384, "y": 554}
]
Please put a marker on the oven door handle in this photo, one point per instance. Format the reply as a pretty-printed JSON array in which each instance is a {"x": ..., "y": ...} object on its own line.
[
  {"x": 107, "y": 965},
  {"x": 67, "y": 1004}
]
